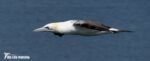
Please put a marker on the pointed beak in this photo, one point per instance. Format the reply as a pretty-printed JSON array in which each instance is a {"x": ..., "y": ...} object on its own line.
[{"x": 42, "y": 29}]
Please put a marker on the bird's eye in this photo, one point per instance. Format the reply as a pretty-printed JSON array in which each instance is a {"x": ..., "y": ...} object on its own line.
[{"x": 47, "y": 27}]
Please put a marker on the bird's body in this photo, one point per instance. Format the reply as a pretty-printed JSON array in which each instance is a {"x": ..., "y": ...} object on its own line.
[
  {"x": 69, "y": 28},
  {"x": 79, "y": 27}
]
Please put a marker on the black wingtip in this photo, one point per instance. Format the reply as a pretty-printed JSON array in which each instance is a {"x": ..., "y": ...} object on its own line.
[
  {"x": 122, "y": 31},
  {"x": 125, "y": 31}
]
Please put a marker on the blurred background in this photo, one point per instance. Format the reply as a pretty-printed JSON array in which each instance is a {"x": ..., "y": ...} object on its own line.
[{"x": 18, "y": 19}]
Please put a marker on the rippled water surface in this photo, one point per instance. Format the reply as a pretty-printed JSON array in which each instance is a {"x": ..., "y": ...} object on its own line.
[{"x": 19, "y": 17}]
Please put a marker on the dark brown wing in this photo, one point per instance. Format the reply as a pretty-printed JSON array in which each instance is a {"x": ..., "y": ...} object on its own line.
[{"x": 92, "y": 25}]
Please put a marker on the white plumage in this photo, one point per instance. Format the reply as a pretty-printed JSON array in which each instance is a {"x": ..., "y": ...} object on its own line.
[{"x": 78, "y": 27}]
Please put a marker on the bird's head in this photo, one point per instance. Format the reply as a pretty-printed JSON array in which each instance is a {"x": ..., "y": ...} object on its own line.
[{"x": 47, "y": 28}]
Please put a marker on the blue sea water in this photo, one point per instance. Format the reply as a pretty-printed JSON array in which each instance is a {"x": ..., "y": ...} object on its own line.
[{"x": 18, "y": 18}]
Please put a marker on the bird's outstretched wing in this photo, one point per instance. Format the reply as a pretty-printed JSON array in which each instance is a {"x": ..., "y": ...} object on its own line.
[{"x": 91, "y": 25}]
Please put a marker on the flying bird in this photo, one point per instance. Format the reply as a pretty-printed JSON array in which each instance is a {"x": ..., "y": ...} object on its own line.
[{"x": 78, "y": 27}]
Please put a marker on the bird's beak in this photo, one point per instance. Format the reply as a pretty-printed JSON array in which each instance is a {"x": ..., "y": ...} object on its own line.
[{"x": 42, "y": 29}]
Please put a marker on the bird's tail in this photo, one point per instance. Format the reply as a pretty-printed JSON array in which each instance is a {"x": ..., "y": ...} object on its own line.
[{"x": 114, "y": 30}]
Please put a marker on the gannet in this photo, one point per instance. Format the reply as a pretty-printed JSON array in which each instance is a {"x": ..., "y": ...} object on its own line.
[{"x": 78, "y": 27}]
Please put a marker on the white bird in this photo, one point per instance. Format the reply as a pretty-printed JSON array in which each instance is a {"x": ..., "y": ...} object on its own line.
[{"x": 78, "y": 27}]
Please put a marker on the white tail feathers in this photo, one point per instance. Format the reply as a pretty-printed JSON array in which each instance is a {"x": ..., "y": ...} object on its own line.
[{"x": 114, "y": 30}]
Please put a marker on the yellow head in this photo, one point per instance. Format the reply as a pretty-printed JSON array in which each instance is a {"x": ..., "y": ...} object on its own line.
[{"x": 48, "y": 27}]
